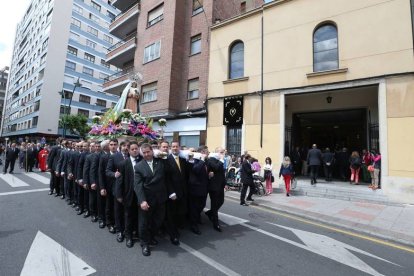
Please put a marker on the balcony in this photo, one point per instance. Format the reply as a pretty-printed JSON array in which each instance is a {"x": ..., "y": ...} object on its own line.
[
  {"x": 115, "y": 83},
  {"x": 126, "y": 22},
  {"x": 123, "y": 4},
  {"x": 122, "y": 52}
]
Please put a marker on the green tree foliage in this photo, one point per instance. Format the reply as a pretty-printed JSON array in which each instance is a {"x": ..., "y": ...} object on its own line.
[{"x": 75, "y": 124}]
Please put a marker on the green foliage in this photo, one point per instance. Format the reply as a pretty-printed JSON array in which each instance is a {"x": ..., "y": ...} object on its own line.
[{"x": 76, "y": 124}]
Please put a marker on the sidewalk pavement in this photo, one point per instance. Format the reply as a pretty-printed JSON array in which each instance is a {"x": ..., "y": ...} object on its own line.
[{"x": 389, "y": 222}]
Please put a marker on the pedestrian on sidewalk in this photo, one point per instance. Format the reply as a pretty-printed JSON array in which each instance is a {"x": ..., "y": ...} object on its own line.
[
  {"x": 314, "y": 160},
  {"x": 268, "y": 175},
  {"x": 328, "y": 159},
  {"x": 375, "y": 170},
  {"x": 355, "y": 166},
  {"x": 287, "y": 171},
  {"x": 366, "y": 161}
]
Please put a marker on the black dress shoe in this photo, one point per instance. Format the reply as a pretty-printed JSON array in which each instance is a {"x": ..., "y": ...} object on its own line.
[
  {"x": 146, "y": 250},
  {"x": 77, "y": 208},
  {"x": 175, "y": 241},
  {"x": 153, "y": 242},
  {"x": 74, "y": 205},
  {"x": 217, "y": 228},
  {"x": 111, "y": 229},
  {"x": 70, "y": 202},
  {"x": 79, "y": 212},
  {"x": 244, "y": 204},
  {"x": 129, "y": 243},
  {"x": 102, "y": 224},
  {"x": 195, "y": 230},
  {"x": 120, "y": 237},
  {"x": 50, "y": 192},
  {"x": 86, "y": 214},
  {"x": 94, "y": 218},
  {"x": 62, "y": 197},
  {"x": 249, "y": 199},
  {"x": 57, "y": 194}
]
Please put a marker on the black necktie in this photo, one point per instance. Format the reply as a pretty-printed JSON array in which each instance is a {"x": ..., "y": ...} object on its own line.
[{"x": 136, "y": 160}]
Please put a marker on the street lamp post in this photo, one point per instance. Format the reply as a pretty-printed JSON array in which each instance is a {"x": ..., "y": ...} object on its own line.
[{"x": 66, "y": 110}]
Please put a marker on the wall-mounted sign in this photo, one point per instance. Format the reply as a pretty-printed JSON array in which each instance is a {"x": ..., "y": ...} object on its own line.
[{"x": 233, "y": 111}]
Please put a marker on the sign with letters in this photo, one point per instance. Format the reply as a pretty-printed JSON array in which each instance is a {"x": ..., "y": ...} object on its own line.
[{"x": 233, "y": 111}]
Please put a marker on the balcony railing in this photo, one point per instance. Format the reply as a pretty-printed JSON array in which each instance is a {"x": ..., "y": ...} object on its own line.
[
  {"x": 119, "y": 74},
  {"x": 122, "y": 42},
  {"x": 127, "y": 10}
]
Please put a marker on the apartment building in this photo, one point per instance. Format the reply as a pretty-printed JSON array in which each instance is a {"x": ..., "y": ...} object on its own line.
[
  {"x": 4, "y": 75},
  {"x": 167, "y": 42},
  {"x": 58, "y": 43}
]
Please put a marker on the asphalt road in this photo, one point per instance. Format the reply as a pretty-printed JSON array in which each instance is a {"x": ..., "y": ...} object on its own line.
[{"x": 254, "y": 241}]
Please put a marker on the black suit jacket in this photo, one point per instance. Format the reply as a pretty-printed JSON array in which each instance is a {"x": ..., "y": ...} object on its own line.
[
  {"x": 198, "y": 178},
  {"x": 56, "y": 159},
  {"x": 81, "y": 165},
  {"x": 73, "y": 161},
  {"x": 94, "y": 169},
  {"x": 314, "y": 157},
  {"x": 125, "y": 183},
  {"x": 246, "y": 173},
  {"x": 12, "y": 154},
  {"x": 51, "y": 157},
  {"x": 218, "y": 181},
  {"x": 105, "y": 182},
  {"x": 150, "y": 186},
  {"x": 178, "y": 177},
  {"x": 87, "y": 179},
  {"x": 114, "y": 164}
]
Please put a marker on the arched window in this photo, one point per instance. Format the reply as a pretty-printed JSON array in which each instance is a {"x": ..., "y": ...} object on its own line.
[
  {"x": 325, "y": 48},
  {"x": 236, "y": 63}
]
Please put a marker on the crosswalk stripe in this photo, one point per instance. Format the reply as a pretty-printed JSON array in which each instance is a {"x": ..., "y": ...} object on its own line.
[
  {"x": 24, "y": 192},
  {"x": 13, "y": 180},
  {"x": 39, "y": 178}
]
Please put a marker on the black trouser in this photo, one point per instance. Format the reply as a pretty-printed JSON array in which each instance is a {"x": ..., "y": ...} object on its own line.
[
  {"x": 76, "y": 190},
  {"x": 61, "y": 185},
  {"x": 53, "y": 182},
  {"x": 119, "y": 216},
  {"x": 131, "y": 218},
  {"x": 101, "y": 206},
  {"x": 328, "y": 172},
  {"x": 93, "y": 202},
  {"x": 150, "y": 221},
  {"x": 82, "y": 197},
  {"x": 216, "y": 201},
  {"x": 314, "y": 169},
  {"x": 109, "y": 208},
  {"x": 197, "y": 204},
  {"x": 11, "y": 163},
  {"x": 175, "y": 216},
  {"x": 244, "y": 191},
  {"x": 67, "y": 186}
]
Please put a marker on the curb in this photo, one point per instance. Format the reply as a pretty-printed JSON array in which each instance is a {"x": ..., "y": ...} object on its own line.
[{"x": 345, "y": 224}]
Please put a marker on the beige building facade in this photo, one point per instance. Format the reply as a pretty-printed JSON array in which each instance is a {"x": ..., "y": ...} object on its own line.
[{"x": 336, "y": 73}]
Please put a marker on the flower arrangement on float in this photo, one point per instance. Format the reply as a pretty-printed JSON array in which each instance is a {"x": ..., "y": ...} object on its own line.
[{"x": 127, "y": 123}]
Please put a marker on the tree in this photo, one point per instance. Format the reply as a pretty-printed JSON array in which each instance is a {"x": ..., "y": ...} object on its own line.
[{"x": 76, "y": 124}]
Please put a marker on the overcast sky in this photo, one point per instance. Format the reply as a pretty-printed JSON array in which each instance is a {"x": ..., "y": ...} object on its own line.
[{"x": 12, "y": 13}]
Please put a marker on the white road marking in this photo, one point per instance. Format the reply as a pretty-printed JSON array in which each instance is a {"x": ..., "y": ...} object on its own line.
[
  {"x": 225, "y": 270},
  {"x": 39, "y": 178},
  {"x": 13, "y": 180},
  {"x": 24, "y": 191},
  {"x": 47, "y": 257},
  {"x": 318, "y": 244}
]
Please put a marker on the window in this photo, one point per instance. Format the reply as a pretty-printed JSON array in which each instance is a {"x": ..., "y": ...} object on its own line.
[
  {"x": 70, "y": 65},
  {"x": 90, "y": 44},
  {"x": 65, "y": 109},
  {"x": 197, "y": 6},
  {"x": 110, "y": 15},
  {"x": 88, "y": 71},
  {"x": 155, "y": 15},
  {"x": 103, "y": 76},
  {"x": 76, "y": 23},
  {"x": 43, "y": 59},
  {"x": 72, "y": 51},
  {"x": 83, "y": 112},
  {"x": 192, "y": 141},
  {"x": 89, "y": 57},
  {"x": 96, "y": 6},
  {"x": 236, "y": 65},
  {"x": 94, "y": 18},
  {"x": 104, "y": 63},
  {"x": 149, "y": 92},
  {"x": 192, "y": 89},
  {"x": 108, "y": 39},
  {"x": 74, "y": 36},
  {"x": 84, "y": 99},
  {"x": 77, "y": 9},
  {"x": 34, "y": 121},
  {"x": 234, "y": 137},
  {"x": 86, "y": 84},
  {"x": 152, "y": 52},
  {"x": 325, "y": 48},
  {"x": 92, "y": 31},
  {"x": 195, "y": 44},
  {"x": 100, "y": 102}
]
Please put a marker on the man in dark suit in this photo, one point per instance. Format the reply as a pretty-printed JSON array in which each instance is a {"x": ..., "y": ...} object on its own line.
[
  {"x": 50, "y": 158},
  {"x": 177, "y": 192},
  {"x": 197, "y": 187},
  {"x": 72, "y": 167},
  {"x": 102, "y": 191},
  {"x": 125, "y": 191},
  {"x": 151, "y": 192},
  {"x": 83, "y": 196},
  {"x": 91, "y": 178},
  {"x": 247, "y": 180},
  {"x": 314, "y": 160},
  {"x": 62, "y": 169},
  {"x": 11, "y": 155},
  {"x": 37, "y": 149},
  {"x": 113, "y": 172},
  {"x": 216, "y": 183},
  {"x": 58, "y": 179},
  {"x": 30, "y": 157}
]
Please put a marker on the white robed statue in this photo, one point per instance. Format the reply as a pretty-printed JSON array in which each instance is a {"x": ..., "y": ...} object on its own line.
[{"x": 130, "y": 96}]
